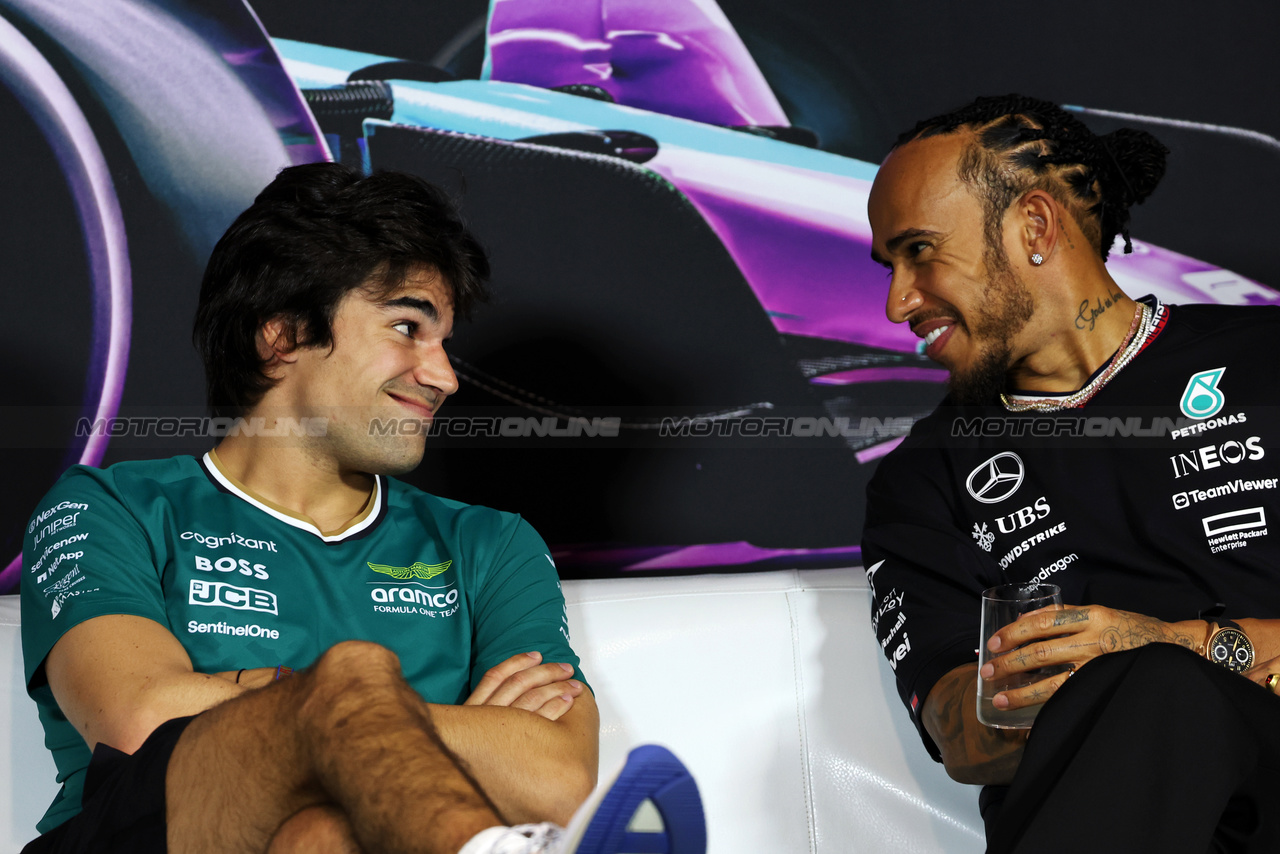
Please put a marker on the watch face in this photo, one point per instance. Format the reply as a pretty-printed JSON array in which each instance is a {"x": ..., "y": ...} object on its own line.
[{"x": 1231, "y": 648}]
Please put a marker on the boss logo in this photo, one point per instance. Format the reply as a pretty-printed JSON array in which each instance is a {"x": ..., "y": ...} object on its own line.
[
  {"x": 230, "y": 564},
  {"x": 219, "y": 594}
]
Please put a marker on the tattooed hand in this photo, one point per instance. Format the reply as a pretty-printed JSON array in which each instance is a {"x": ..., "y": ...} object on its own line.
[{"x": 1074, "y": 636}]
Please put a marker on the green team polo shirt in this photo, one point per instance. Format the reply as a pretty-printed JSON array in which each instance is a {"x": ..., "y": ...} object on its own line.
[{"x": 451, "y": 588}]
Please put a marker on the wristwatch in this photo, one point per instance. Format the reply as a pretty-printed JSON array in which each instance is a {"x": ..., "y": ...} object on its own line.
[{"x": 1229, "y": 646}]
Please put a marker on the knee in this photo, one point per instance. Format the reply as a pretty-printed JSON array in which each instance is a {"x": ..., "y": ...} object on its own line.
[
  {"x": 350, "y": 672},
  {"x": 356, "y": 659},
  {"x": 1167, "y": 661},
  {"x": 1171, "y": 679},
  {"x": 315, "y": 830}
]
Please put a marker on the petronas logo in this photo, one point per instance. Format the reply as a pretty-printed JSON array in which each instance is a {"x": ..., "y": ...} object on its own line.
[{"x": 417, "y": 570}]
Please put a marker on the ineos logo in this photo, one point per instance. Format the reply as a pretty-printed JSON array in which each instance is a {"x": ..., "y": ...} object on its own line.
[{"x": 996, "y": 479}]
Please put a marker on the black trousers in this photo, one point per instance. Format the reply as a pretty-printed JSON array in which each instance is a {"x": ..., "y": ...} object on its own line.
[
  {"x": 1149, "y": 750},
  {"x": 123, "y": 805}
]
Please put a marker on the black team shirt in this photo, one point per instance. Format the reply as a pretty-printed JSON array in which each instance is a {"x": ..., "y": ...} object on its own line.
[{"x": 1127, "y": 501}]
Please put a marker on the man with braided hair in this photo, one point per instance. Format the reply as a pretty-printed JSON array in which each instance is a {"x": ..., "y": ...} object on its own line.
[{"x": 1124, "y": 450}]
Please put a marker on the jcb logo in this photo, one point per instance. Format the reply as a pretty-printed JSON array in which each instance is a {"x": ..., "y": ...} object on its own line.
[{"x": 219, "y": 594}]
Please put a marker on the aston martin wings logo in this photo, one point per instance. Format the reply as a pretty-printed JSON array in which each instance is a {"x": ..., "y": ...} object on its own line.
[{"x": 417, "y": 570}]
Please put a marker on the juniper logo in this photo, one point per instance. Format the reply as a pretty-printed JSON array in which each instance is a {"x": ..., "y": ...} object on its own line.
[
  {"x": 417, "y": 570},
  {"x": 1202, "y": 399}
]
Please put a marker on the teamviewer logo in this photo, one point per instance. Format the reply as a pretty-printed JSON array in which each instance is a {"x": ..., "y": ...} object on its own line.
[{"x": 1180, "y": 501}]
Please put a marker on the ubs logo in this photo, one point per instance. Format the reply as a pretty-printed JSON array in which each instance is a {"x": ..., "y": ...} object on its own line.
[{"x": 997, "y": 478}]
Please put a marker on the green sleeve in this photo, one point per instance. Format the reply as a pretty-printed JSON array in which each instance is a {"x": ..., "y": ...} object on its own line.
[
  {"x": 84, "y": 554},
  {"x": 519, "y": 606}
]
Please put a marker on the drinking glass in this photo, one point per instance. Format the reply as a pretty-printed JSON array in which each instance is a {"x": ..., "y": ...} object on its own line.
[{"x": 1002, "y": 605}]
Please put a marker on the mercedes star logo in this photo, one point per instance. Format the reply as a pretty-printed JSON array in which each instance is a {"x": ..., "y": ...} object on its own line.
[{"x": 996, "y": 479}]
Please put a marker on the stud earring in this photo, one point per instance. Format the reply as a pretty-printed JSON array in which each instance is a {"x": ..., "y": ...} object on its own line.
[{"x": 1037, "y": 259}]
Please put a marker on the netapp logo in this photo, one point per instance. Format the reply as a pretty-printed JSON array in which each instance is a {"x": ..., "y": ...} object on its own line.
[
  {"x": 997, "y": 478},
  {"x": 1212, "y": 456},
  {"x": 219, "y": 594}
]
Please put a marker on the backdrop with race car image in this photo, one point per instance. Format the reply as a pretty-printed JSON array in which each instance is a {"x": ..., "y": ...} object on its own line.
[{"x": 686, "y": 366}]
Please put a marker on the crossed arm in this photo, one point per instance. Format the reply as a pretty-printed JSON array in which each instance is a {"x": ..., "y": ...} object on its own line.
[
  {"x": 974, "y": 753},
  {"x": 528, "y": 733}
]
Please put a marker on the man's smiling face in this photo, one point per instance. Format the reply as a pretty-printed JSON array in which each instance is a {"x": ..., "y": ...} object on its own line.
[
  {"x": 948, "y": 281},
  {"x": 387, "y": 364}
]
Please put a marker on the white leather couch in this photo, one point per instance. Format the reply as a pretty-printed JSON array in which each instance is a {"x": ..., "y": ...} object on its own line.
[{"x": 769, "y": 686}]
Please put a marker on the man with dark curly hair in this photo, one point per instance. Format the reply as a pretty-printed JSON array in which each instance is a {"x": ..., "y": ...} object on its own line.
[{"x": 166, "y": 603}]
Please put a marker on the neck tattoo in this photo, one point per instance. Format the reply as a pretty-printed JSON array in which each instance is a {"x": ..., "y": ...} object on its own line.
[{"x": 1140, "y": 329}]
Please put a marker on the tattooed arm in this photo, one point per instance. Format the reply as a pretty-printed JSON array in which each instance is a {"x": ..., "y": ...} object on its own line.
[
  {"x": 974, "y": 753},
  {"x": 971, "y": 752}
]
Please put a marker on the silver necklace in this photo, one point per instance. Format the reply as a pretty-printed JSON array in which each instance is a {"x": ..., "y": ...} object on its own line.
[{"x": 1145, "y": 321}]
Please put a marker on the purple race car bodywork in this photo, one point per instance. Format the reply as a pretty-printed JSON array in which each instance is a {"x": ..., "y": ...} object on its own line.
[{"x": 666, "y": 89}]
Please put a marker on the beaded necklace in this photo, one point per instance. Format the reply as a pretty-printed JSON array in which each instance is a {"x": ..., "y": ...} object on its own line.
[{"x": 1140, "y": 329}]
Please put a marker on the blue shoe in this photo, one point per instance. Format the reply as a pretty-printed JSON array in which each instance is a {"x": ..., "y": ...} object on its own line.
[{"x": 652, "y": 806}]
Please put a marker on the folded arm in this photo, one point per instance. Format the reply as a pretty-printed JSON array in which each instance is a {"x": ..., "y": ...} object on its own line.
[
  {"x": 118, "y": 677},
  {"x": 529, "y": 734}
]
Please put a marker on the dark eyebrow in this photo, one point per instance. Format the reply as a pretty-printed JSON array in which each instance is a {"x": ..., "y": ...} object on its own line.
[
  {"x": 897, "y": 240},
  {"x": 427, "y": 307},
  {"x": 902, "y": 237}
]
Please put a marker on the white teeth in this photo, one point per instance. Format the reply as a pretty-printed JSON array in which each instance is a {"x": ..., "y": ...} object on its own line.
[{"x": 933, "y": 336}]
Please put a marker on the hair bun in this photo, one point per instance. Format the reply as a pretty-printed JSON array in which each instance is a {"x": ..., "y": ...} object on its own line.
[{"x": 1136, "y": 163}]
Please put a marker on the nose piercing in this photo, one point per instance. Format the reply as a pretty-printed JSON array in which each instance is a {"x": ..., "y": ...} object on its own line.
[{"x": 904, "y": 299}]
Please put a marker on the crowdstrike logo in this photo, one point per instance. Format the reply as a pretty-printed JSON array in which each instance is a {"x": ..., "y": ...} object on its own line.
[
  {"x": 997, "y": 478},
  {"x": 1202, "y": 399}
]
